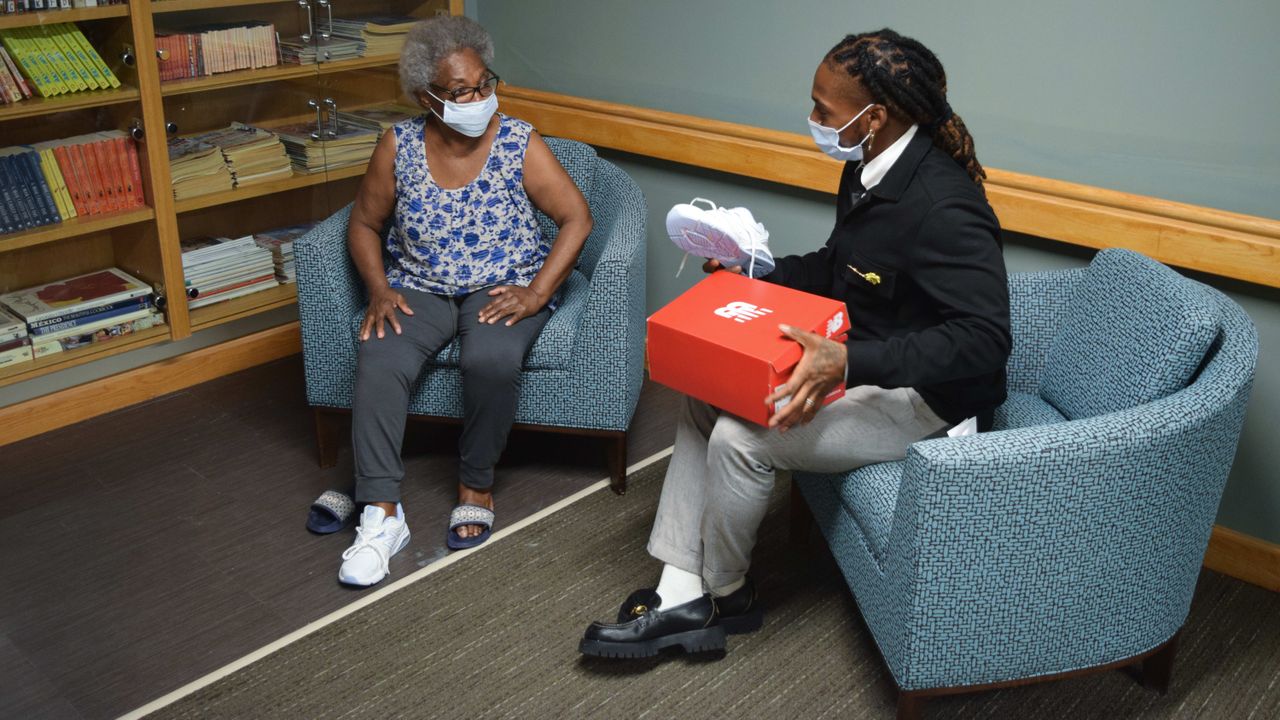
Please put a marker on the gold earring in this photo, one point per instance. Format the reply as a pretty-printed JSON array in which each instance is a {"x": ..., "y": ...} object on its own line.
[{"x": 871, "y": 138}]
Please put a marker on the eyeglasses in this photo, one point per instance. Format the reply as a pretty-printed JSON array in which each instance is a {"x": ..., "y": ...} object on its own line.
[{"x": 467, "y": 94}]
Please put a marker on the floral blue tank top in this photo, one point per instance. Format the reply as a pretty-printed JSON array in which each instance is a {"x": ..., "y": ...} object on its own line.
[{"x": 454, "y": 242}]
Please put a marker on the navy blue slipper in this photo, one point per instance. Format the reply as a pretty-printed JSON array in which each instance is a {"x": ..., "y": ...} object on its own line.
[
  {"x": 330, "y": 512},
  {"x": 468, "y": 515}
]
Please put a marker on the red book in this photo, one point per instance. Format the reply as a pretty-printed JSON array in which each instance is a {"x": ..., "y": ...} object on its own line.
[
  {"x": 130, "y": 149},
  {"x": 17, "y": 76},
  {"x": 72, "y": 178},
  {"x": 94, "y": 189},
  {"x": 102, "y": 154},
  {"x": 121, "y": 177}
]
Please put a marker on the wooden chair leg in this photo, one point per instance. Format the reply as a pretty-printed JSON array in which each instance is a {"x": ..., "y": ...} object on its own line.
[
  {"x": 1157, "y": 668},
  {"x": 801, "y": 518},
  {"x": 327, "y": 424},
  {"x": 618, "y": 463},
  {"x": 910, "y": 706}
]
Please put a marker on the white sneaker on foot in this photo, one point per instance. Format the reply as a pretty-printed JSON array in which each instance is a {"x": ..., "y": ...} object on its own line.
[
  {"x": 730, "y": 235},
  {"x": 377, "y": 539}
]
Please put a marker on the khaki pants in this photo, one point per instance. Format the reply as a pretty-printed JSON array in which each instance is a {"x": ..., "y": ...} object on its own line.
[{"x": 722, "y": 471}]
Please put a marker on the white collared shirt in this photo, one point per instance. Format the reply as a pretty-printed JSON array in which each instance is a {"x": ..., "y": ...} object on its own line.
[{"x": 874, "y": 170}]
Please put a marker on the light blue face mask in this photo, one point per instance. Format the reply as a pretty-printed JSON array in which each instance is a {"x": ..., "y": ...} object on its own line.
[
  {"x": 470, "y": 119},
  {"x": 828, "y": 139}
]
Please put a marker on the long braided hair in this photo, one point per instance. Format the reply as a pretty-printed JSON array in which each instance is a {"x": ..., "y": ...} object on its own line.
[{"x": 906, "y": 77}]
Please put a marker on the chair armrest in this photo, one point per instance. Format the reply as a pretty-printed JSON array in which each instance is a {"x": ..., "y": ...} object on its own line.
[
  {"x": 329, "y": 295},
  {"x": 610, "y": 343},
  {"x": 1051, "y": 548}
]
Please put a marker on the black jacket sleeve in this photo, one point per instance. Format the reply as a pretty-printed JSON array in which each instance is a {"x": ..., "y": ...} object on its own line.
[{"x": 955, "y": 260}]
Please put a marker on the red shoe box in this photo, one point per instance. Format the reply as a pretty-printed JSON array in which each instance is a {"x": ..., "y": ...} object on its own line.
[{"x": 720, "y": 343}]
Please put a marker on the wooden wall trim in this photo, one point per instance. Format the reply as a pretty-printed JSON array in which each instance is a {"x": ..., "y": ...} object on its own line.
[
  {"x": 1233, "y": 245},
  {"x": 66, "y": 407},
  {"x": 1244, "y": 557}
]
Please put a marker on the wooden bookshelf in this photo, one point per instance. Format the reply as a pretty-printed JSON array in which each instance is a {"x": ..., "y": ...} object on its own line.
[
  {"x": 75, "y": 227},
  {"x": 80, "y": 356},
  {"x": 244, "y": 306},
  {"x": 49, "y": 17},
  {"x": 298, "y": 180},
  {"x": 241, "y": 78},
  {"x": 36, "y": 106},
  {"x": 160, "y": 7},
  {"x": 146, "y": 241}
]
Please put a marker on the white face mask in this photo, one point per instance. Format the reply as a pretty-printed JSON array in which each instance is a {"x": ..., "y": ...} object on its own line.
[
  {"x": 828, "y": 139},
  {"x": 470, "y": 119}
]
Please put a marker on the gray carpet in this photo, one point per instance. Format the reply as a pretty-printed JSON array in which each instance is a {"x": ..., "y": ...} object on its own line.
[{"x": 496, "y": 635}]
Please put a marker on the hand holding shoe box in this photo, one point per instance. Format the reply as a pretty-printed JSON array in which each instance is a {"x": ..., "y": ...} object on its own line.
[{"x": 719, "y": 342}]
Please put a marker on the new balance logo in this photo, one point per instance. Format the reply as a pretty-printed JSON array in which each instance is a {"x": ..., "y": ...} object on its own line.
[{"x": 739, "y": 311}]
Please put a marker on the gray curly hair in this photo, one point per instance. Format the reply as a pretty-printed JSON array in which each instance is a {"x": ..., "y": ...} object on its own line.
[{"x": 435, "y": 39}]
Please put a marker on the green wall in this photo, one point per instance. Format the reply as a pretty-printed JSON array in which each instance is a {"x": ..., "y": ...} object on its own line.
[{"x": 1178, "y": 101}]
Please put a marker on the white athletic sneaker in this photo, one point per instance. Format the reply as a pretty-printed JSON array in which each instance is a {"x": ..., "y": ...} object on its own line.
[
  {"x": 730, "y": 235},
  {"x": 377, "y": 539}
]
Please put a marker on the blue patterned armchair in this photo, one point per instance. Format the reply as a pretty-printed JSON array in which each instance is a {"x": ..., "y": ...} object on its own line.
[
  {"x": 581, "y": 376},
  {"x": 1070, "y": 537}
]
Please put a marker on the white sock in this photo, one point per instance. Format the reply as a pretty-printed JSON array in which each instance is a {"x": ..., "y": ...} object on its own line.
[
  {"x": 730, "y": 588},
  {"x": 677, "y": 587}
]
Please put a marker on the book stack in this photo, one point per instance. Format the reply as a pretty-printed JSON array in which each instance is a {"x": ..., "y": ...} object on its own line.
[
  {"x": 342, "y": 145},
  {"x": 280, "y": 243},
  {"x": 50, "y": 60},
  {"x": 220, "y": 269},
  {"x": 377, "y": 117},
  {"x": 252, "y": 155},
  {"x": 380, "y": 34},
  {"x": 197, "y": 168},
  {"x": 297, "y": 51},
  {"x": 77, "y": 176},
  {"x": 83, "y": 310},
  {"x": 15, "y": 345},
  {"x": 216, "y": 48}
]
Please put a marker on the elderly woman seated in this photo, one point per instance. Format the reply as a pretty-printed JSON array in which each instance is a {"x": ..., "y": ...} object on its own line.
[{"x": 459, "y": 185}]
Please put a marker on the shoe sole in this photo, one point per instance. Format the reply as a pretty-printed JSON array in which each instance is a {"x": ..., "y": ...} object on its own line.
[
  {"x": 402, "y": 546},
  {"x": 692, "y": 641},
  {"x": 752, "y": 621}
]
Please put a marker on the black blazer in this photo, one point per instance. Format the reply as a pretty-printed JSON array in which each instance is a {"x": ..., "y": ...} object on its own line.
[{"x": 918, "y": 262}]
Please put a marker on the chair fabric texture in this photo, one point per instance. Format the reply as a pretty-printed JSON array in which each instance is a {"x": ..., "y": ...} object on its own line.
[
  {"x": 586, "y": 368},
  {"x": 1072, "y": 534}
]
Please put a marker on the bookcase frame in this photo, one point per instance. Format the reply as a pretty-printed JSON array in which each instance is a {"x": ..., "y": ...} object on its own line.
[{"x": 146, "y": 241}]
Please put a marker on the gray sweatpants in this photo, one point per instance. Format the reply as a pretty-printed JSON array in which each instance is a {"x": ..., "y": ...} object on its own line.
[
  {"x": 491, "y": 358},
  {"x": 722, "y": 470}
]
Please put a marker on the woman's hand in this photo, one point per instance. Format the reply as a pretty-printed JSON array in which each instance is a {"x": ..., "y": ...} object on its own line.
[
  {"x": 712, "y": 265},
  {"x": 382, "y": 308},
  {"x": 515, "y": 300},
  {"x": 820, "y": 369}
]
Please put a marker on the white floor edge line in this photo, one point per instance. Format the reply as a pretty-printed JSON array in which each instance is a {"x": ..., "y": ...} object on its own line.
[{"x": 375, "y": 595}]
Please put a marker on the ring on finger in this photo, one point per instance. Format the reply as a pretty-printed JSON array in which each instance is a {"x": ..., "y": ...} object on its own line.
[{"x": 808, "y": 404}]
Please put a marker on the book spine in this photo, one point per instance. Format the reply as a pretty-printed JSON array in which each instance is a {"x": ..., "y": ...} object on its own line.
[
  {"x": 96, "y": 315},
  {"x": 10, "y": 220},
  {"x": 8, "y": 85},
  {"x": 49, "y": 39},
  {"x": 16, "y": 356},
  {"x": 87, "y": 68},
  {"x": 17, "y": 51},
  {"x": 93, "y": 55},
  {"x": 45, "y": 47},
  {"x": 46, "y": 211},
  {"x": 61, "y": 192},
  {"x": 51, "y": 183},
  {"x": 8, "y": 337},
  {"x": 92, "y": 185},
  {"x": 24, "y": 203},
  {"x": 131, "y": 150},
  {"x": 63, "y": 157},
  {"x": 106, "y": 177},
  {"x": 131, "y": 303},
  {"x": 17, "y": 74}
]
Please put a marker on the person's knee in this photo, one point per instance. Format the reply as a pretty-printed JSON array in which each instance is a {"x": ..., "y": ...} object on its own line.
[
  {"x": 499, "y": 365},
  {"x": 382, "y": 360},
  {"x": 736, "y": 441}
]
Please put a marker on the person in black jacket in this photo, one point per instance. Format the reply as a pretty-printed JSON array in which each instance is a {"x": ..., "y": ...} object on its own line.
[{"x": 916, "y": 257}]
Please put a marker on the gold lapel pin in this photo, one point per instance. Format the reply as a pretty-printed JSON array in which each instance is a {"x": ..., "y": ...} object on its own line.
[{"x": 870, "y": 277}]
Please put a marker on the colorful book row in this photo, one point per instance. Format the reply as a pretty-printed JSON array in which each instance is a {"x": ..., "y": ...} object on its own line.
[
  {"x": 57, "y": 59},
  {"x": 79, "y": 176},
  {"x": 217, "y": 48}
]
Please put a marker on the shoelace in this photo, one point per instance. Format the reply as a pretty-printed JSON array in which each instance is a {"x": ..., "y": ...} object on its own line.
[
  {"x": 365, "y": 538},
  {"x": 742, "y": 226}
]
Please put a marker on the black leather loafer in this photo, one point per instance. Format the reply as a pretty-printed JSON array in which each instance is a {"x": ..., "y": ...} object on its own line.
[
  {"x": 740, "y": 610},
  {"x": 693, "y": 626}
]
